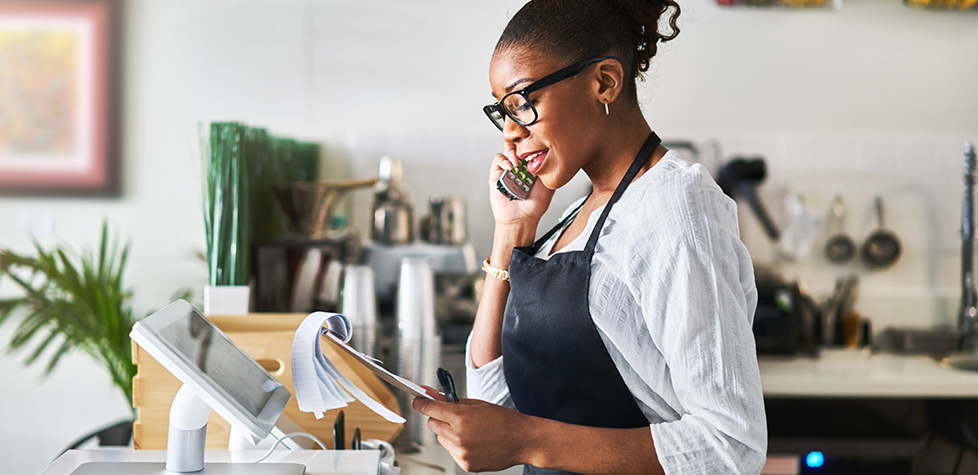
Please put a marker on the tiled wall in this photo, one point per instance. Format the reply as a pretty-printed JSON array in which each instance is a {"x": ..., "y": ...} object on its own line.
[
  {"x": 918, "y": 177},
  {"x": 920, "y": 180}
]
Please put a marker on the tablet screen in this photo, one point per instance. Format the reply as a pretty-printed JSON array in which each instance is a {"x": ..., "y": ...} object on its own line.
[{"x": 198, "y": 344}]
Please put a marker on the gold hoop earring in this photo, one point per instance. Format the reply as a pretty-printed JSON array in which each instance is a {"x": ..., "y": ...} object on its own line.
[{"x": 606, "y": 108}]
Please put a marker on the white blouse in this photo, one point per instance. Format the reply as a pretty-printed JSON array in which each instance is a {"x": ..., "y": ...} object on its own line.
[{"x": 672, "y": 295}]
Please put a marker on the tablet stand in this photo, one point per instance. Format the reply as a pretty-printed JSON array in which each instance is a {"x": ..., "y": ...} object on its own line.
[
  {"x": 185, "y": 442},
  {"x": 187, "y": 435}
]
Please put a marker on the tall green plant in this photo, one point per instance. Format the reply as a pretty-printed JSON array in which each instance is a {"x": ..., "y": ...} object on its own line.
[
  {"x": 73, "y": 303},
  {"x": 242, "y": 167},
  {"x": 226, "y": 217}
]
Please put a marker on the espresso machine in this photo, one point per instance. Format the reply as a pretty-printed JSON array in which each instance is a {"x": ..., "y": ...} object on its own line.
[{"x": 441, "y": 236}]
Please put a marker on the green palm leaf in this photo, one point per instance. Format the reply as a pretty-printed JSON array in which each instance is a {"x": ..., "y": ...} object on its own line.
[{"x": 72, "y": 301}]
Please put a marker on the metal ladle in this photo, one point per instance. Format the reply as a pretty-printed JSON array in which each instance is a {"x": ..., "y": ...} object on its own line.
[
  {"x": 840, "y": 248},
  {"x": 882, "y": 247}
]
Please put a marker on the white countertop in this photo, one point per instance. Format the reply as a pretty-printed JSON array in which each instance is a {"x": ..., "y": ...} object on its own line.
[
  {"x": 853, "y": 373},
  {"x": 433, "y": 460},
  {"x": 317, "y": 462}
]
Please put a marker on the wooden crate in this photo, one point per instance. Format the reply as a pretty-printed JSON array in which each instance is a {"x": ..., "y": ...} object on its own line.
[{"x": 268, "y": 339}]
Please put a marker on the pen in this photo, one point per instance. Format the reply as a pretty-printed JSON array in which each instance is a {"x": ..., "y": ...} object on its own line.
[
  {"x": 339, "y": 432},
  {"x": 356, "y": 443},
  {"x": 447, "y": 385}
]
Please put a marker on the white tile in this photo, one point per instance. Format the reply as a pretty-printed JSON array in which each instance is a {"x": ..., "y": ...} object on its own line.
[
  {"x": 836, "y": 154},
  {"x": 875, "y": 155},
  {"x": 913, "y": 156},
  {"x": 800, "y": 155}
]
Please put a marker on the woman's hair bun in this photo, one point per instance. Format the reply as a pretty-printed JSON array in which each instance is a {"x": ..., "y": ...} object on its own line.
[
  {"x": 647, "y": 15},
  {"x": 574, "y": 30}
]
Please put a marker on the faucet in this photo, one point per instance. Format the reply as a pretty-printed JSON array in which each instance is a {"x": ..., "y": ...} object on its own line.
[{"x": 968, "y": 313}]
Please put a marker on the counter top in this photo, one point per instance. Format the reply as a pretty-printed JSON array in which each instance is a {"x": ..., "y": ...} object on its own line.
[
  {"x": 317, "y": 462},
  {"x": 854, "y": 373}
]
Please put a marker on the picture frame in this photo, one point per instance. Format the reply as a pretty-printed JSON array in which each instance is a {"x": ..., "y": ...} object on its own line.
[{"x": 60, "y": 131}]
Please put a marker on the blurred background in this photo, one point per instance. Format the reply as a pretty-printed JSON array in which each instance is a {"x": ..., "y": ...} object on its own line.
[{"x": 873, "y": 98}]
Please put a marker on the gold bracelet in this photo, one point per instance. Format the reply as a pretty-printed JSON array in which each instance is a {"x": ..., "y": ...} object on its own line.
[{"x": 494, "y": 271}]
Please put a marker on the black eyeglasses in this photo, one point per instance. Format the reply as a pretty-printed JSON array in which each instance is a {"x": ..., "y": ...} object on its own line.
[{"x": 517, "y": 106}]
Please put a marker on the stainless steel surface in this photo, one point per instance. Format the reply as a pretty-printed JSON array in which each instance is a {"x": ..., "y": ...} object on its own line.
[
  {"x": 386, "y": 262},
  {"x": 840, "y": 247},
  {"x": 392, "y": 222},
  {"x": 360, "y": 306},
  {"x": 446, "y": 221},
  {"x": 934, "y": 342},
  {"x": 882, "y": 247},
  {"x": 968, "y": 311},
  {"x": 962, "y": 362},
  {"x": 392, "y": 219}
]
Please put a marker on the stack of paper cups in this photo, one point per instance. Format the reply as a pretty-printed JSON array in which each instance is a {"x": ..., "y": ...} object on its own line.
[
  {"x": 360, "y": 306},
  {"x": 419, "y": 342}
]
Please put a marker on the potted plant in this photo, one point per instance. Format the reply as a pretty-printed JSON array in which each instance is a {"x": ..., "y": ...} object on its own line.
[
  {"x": 72, "y": 302},
  {"x": 226, "y": 219}
]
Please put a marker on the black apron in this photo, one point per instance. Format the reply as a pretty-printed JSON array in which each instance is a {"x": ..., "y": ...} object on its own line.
[{"x": 555, "y": 363}]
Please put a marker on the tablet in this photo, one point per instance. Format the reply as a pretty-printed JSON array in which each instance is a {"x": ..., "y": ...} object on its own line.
[
  {"x": 221, "y": 374},
  {"x": 403, "y": 384}
]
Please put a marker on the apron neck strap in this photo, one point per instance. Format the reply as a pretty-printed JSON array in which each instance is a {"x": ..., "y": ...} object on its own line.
[
  {"x": 643, "y": 156},
  {"x": 560, "y": 225}
]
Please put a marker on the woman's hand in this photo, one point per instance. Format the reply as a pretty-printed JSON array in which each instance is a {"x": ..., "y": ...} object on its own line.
[
  {"x": 479, "y": 436},
  {"x": 515, "y": 212}
]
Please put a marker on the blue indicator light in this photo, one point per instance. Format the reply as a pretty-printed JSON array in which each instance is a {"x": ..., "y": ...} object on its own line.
[{"x": 815, "y": 459}]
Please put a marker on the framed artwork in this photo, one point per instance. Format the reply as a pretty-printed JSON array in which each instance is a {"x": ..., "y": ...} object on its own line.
[{"x": 59, "y": 83}]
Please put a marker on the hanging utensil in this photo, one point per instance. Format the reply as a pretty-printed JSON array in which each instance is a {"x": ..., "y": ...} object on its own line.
[
  {"x": 801, "y": 230},
  {"x": 740, "y": 177},
  {"x": 882, "y": 247},
  {"x": 840, "y": 247}
]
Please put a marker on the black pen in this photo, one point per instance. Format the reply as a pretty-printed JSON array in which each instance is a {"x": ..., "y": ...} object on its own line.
[
  {"x": 447, "y": 385},
  {"x": 339, "y": 432}
]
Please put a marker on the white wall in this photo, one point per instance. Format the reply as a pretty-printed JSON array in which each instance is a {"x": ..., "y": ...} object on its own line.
[{"x": 874, "y": 95}]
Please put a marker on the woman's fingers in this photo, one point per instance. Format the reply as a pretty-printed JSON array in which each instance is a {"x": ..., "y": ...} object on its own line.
[
  {"x": 434, "y": 393},
  {"x": 510, "y": 152},
  {"x": 443, "y": 430},
  {"x": 442, "y": 411},
  {"x": 500, "y": 165}
]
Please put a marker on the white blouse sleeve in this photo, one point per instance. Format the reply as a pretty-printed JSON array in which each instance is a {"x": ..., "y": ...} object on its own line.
[
  {"x": 487, "y": 382},
  {"x": 699, "y": 311}
]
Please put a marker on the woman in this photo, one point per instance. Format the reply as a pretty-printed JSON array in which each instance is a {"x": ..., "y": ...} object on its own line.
[{"x": 621, "y": 341}]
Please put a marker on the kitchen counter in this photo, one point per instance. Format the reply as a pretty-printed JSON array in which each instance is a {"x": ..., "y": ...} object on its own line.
[{"x": 857, "y": 374}]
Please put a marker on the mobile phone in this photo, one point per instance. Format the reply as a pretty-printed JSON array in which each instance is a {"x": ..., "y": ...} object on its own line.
[{"x": 515, "y": 184}]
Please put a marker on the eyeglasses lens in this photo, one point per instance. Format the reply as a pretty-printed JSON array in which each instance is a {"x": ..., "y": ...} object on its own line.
[
  {"x": 519, "y": 108},
  {"x": 495, "y": 115}
]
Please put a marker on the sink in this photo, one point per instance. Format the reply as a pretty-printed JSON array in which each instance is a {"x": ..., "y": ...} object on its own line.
[
  {"x": 940, "y": 344},
  {"x": 967, "y": 362},
  {"x": 935, "y": 342}
]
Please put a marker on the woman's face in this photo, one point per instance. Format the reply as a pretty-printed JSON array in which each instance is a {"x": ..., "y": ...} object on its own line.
[{"x": 560, "y": 141}]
